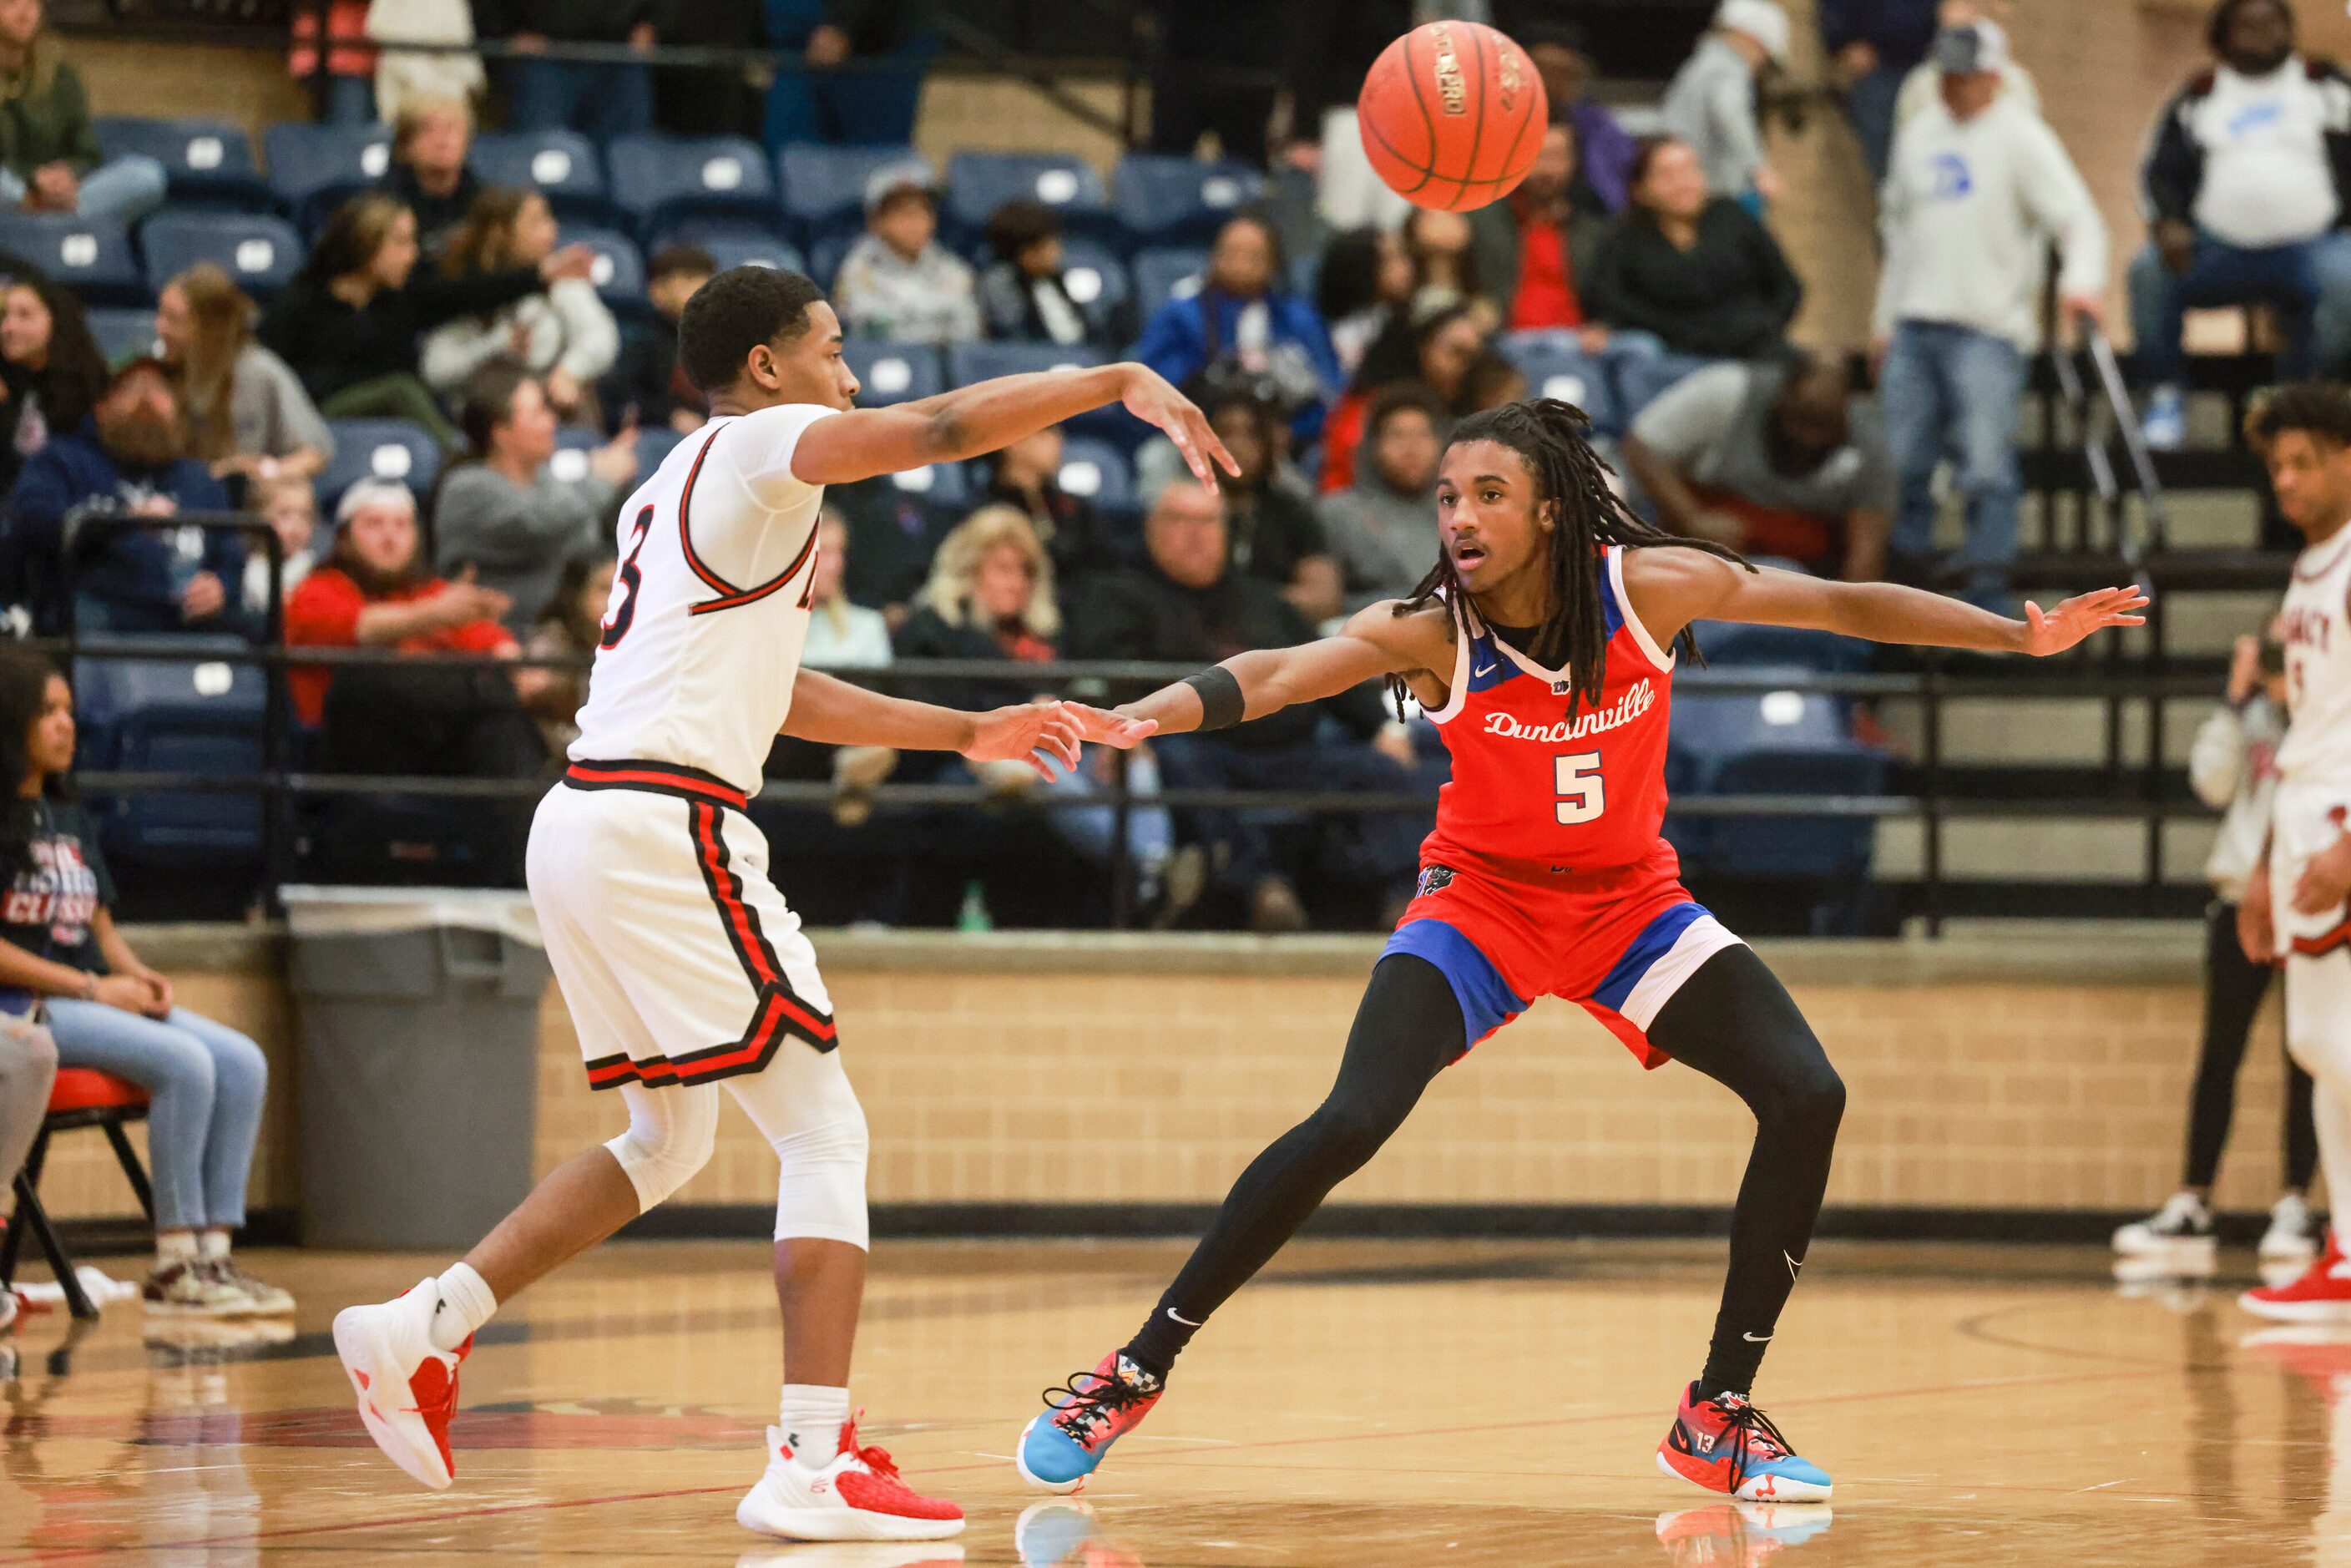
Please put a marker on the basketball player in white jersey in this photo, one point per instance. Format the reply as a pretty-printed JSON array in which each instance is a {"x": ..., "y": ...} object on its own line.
[
  {"x": 2294, "y": 908},
  {"x": 682, "y": 967}
]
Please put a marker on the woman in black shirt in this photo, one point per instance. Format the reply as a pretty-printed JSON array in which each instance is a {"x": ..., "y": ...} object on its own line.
[{"x": 1697, "y": 272}]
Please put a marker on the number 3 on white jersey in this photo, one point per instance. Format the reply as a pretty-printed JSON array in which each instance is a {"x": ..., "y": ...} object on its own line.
[{"x": 1582, "y": 793}]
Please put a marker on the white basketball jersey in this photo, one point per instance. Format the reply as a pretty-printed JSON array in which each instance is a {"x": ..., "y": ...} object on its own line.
[
  {"x": 709, "y": 607},
  {"x": 2316, "y": 622}
]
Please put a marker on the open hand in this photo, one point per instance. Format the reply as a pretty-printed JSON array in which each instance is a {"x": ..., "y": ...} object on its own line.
[
  {"x": 1038, "y": 734},
  {"x": 2061, "y": 628},
  {"x": 203, "y": 597},
  {"x": 2325, "y": 880},
  {"x": 1098, "y": 727},
  {"x": 1151, "y": 400}
]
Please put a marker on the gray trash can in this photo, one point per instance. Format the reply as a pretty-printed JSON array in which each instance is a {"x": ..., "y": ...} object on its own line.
[{"x": 417, "y": 1088}]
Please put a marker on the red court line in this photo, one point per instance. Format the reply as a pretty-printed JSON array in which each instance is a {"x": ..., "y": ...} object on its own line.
[{"x": 492, "y": 1511}]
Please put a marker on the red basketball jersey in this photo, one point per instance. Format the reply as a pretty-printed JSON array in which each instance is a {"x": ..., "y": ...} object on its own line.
[{"x": 1532, "y": 784}]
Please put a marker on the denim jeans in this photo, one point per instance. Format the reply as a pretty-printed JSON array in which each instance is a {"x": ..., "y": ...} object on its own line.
[
  {"x": 204, "y": 1082},
  {"x": 600, "y": 101},
  {"x": 1870, "y": 103},
  {"x": 2293, "y": 279},
  {"x": 1949, "y": 389},
  {"x": 121, "y": 191}
]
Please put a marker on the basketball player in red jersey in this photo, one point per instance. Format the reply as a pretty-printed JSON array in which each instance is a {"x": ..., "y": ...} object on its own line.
[{"x": 1542, "y": 646}]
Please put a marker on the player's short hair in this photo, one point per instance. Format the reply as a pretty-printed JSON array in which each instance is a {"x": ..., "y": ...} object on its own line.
[
  {"x": 734, "y": 313},
  {"x": 2321, "y": 410}
]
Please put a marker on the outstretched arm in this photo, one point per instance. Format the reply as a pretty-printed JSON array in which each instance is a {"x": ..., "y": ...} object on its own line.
[
  {"x": 866, "y": 442},
  {"x": 1375, "y": 641},
  {"x": 834, "y": 713},
  {"x": 1673, "y": 587}
]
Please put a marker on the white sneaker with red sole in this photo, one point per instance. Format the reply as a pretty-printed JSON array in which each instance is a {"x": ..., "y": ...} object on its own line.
[
  {"x": 2322, "y": 1295},
  {"x": 857, "y": 1495},
  {"x": 407, "y": 1387}
]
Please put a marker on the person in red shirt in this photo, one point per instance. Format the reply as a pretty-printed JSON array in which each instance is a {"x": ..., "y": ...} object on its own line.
[{"x": 1531, "y": 246}]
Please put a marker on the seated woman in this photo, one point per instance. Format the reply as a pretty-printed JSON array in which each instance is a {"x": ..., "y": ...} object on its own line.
[
  {"x": 52, "y": 371},
  {"x": 1698, "y": 273},
  {"x": 248, "y": 413},
  {"x": 1435, "y": 347},
  {"x": 349, "y": 323},
  {"x": 565, "y": 335},
  {"x": 1026, "y": 296},
  {"x": 63, "y": 955}
]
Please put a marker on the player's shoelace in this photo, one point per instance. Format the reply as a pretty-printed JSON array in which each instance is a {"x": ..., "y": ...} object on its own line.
[
  {"x": 1089, "y": 1408},
  {"x": 1758, "y": 1438},
  {"x": 876, "y": 1459}
]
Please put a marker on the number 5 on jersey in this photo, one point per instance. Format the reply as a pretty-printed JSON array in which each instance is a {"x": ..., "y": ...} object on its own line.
[{"x": 1582, "y": 793}]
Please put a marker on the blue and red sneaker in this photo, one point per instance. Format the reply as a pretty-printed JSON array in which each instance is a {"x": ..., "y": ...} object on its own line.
[
  {"x": 1725, "y": 1445},
  {"x": 1059, "y": 1449}
]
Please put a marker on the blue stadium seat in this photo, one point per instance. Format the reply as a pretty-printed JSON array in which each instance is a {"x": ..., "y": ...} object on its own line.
[
  {"x": 654, "y": 443},
  {"x": 1639, "y": 378},
  {"x": 1712, "y": 725},
  {"x": 1095, "y": 276},
  {"x": 1773, "y": 742},
  {"x": 173, "y": 716},
  {"x": 732, "y": 245},
  {"x": 1165, "y": 200},
  {"x": 825, "y": 256},
  {"x": 894, "y": 373},
  {"x": 1098, "y": 472},
  {"x": 312, "y": 168},
  {"x": 1556, "y": 366},
  {"x": 122, "y": 332},
  {"x": 824, "y": 187},
  {"x": 620, "y": 275},
  {"x": 1164, "y": 275},
  {"x": 980, "y": 183},
  {"x": 658, "y": 179},
  {"x": 1730, "y": 644},
  {"x": 561, "y": 165},
  {"x": 969, "y": 362},
  {"x": 209, "y": 161},
  {"x": 262, "y": 254},
  {"x": 945, "y": 486},
  {"x": 394, "y": 449},
  {"x": 92, "y": 259}
]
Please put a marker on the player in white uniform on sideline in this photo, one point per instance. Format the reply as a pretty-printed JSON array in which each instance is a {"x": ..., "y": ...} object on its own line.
[
  {"x": 680, "y": 962},
  {"x": 2295, "y": 907}
]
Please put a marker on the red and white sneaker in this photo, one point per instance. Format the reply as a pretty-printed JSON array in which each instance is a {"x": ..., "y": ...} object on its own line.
[
  {"x": 858, "y": 1495},
  {"x": 2322, "y": 1295},
  {"x": 1725, "y": 1445},
  {"x": 407, "y": 1387}
]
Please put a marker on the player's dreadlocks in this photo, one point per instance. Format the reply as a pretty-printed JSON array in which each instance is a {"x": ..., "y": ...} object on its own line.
[{"x": 1548, "y": 436}]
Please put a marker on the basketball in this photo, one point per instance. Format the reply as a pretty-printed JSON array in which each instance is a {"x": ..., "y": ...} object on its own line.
[{"x": 1451, "y": 116}]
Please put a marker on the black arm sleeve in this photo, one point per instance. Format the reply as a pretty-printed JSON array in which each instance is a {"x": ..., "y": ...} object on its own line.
[
  {"x": 2175, "y": 165},
  {"x": 432, "y": 299}
]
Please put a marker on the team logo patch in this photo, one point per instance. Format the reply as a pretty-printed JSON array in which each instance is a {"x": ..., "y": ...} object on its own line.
[{"x": 1434, "y": 879}]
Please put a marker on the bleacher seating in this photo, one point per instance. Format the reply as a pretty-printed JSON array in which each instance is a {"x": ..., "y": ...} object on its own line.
[
  {"x": 1731, "y": 645},
  {"x": 261, "y": 253},
  {"x": 313, "y": 168},
  {"x": 1098, "y": 472},
  {"x": 969, "y": 362},
  {"x": 209, "y": 162},
  {"x": 894, "y": 373},
  {"x": 1556, "y": 366},
  {"x": 561, "y": 165},
  {"x": 658, "y": 180},
  {"x": 179, "y": 717},
  {"x": 741, "y": 247},
  {"x": 980, "y": 183},
  {"x": 123, "y": 332},
  {"x": 1777, "y": 742},
  {"x": 1160, "y": 276},
  {"x": 946, "y": 487},
  {"x": 394, "y": 449},
  {"x": 1165, "y": 200},
  {"x": 620, "y": 268},
  {"x": 93, "y": 259},
  {"x": 1093, "y": 274},
  {"x": 824, "y": 187},
  {"x": 825, "y": 257}
]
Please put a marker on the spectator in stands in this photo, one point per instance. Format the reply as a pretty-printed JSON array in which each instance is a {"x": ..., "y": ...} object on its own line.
[
  {"x": 1026, "y": 296},
  {"x": 1244, "y": 329},
  {"x": 349, "y": 323},
  {"x": 2247, "y": 179},
  {"x": 897, "y": 281},
  {"x": 349, "y": 97},
  {"x": 569, "y": 628},
  {"x": 404, "y": 77},
  {"x": 1979, "y": 185},
  {"x": 1696, "y": 272},
  {"x": 597, "y": 100},
  {"x": 893, "y": 533},
  {"x": 1435, "y": 348},
  {"x": 51, "y": 369},
  {"x": 1187, "y": 605},
  {"x": 1382, "y": 529},
  {"x": 133, "y": 462},
  {"x": 564, "y": 336},
  {"x": 1445, "y": 271},
  {"x": 429, "y": 172},
  {"x": 1604, "y": 149},
  {"x": 1027, "y": 477},
  {"x": 645, "y": 386},
  {"x": 1711, "y": 103},
  {"x": 1923, "y": 89},
  {"x": 50, "y": 161},
  {"x": 1535, "y": 245},
  {"x": 1270, "y": 514},
  {"x": 990, "y": 597},
  {"x": 290, "y": 506},
  {"x": 892, "y": 43},
  {"x": 248, "y": 413},
  {"x": 1490, "y": 382},
  {"x": 1777, "y": 458},
  {"x": 842, "y": 635},
  {"x": 109, "y": 1010},
  {"x": 1366, "y": 279},
  {"x": 1874, "y": 45},
  {"x": 28, "y": 1069},
  {"x": 505, "y": 520}
]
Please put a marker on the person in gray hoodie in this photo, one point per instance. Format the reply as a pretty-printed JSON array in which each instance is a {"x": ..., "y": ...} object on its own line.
[
  {"x": 1382, "y": 529},
  {"x": 514, "y": 516}
]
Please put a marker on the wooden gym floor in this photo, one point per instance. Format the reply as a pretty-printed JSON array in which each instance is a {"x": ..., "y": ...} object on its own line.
[{"x": 1464, "y": 1405}]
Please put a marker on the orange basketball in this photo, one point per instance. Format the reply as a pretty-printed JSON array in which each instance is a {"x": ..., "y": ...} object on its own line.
[{"x": 1452, "y": 115}]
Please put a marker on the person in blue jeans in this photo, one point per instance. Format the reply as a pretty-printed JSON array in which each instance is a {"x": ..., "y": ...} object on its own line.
[
  {"x": 64, "y": 955},
  {"x": 599, "y": 100}
]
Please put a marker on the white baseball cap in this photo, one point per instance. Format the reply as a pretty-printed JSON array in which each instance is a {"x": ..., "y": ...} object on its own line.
[{"x": 1761, "y": 20}]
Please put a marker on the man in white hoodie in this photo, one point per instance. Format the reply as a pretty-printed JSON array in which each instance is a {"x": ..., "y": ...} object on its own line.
[{"x": 1978, "y": 186}]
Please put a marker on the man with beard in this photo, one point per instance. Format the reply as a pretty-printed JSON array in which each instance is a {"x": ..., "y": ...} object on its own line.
[
  {"x": 132, "y": 460},
  {"x": 1771, "y": 459}
]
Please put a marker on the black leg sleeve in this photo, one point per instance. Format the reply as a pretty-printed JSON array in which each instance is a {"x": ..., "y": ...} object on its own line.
[
  {"x": 1734, "y": 1021},
  {"x": 2233, "y": 987},
  {"x": 1406, "y": 1029}
]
